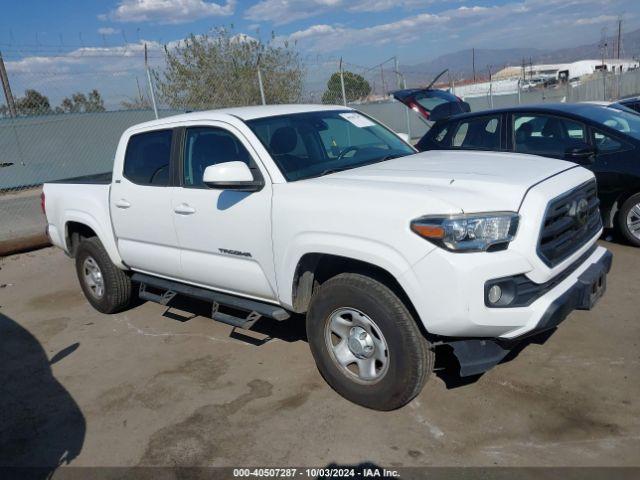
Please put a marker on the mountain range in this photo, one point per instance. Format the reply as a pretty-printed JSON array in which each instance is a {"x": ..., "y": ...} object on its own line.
[{"x": 460, "y": 63}]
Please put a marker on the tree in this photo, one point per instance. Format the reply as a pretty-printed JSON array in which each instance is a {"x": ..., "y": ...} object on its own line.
[
  {"x": 79, "y": 102},
  {"x": 33, "y": 103},
  {"x": 355, "y": 87},
  {"x": 220, "y": 70},
  {"x": 136, "y": 103}
]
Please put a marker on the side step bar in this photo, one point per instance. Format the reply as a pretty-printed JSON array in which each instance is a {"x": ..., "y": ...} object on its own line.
[{"x": 255, "y": 309}]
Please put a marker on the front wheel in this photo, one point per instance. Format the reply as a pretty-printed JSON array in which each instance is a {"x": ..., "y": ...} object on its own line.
[
  {"x": 629, "y": 220},
  {"x": 366, "y": 343}
]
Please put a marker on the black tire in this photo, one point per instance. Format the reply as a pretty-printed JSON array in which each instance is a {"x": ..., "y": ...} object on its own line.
[
  {"x": 117, "y": 290},
  {"x": 623, "y": 227},
  {"x": 410, "y": 357}
]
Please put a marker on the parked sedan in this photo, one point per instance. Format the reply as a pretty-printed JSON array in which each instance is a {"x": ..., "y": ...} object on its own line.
[{"x": 604, "y": 139}]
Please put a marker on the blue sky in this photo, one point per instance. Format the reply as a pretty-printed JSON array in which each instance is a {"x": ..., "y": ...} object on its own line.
[{"x": 57, "y": 39}]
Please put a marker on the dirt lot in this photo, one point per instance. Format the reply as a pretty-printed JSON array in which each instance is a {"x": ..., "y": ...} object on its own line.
[{"x": 157, "y": 387}]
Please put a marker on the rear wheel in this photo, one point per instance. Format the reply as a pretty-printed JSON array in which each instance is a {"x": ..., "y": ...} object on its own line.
[
  {"x": 629, "y": 220},
  {"x": 366, "y": 343},
  {"x": 106, "y": 287}
]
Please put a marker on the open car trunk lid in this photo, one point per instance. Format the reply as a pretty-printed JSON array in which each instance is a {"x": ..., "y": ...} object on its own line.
[{"x": 431, "y": 104}]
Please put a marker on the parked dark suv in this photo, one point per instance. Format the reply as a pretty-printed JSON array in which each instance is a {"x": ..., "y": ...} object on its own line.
[{"x": 606, "y": 140}]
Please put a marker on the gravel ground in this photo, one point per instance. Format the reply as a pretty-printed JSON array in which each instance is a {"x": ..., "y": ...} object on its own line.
[{"x": 153, "y": 386}]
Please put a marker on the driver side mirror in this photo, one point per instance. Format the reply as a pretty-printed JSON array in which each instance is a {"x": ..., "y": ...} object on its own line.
[
  {"x": 231, "y": 176},
  {"x": 582, "y": 154}
]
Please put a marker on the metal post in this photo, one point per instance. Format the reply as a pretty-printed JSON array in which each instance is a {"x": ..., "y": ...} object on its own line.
[
  {"x": 473, "y": 63},
  {"x": 490, "y": 88},
  {"x": 406, "y": 112},
  {"x": 264, "y": 101},
  {"x": 344, "y": 93},
  {"x": 153, "y": 96},
  {"x": 7, "y": 89},
  {"x": 519, "y": 99}
]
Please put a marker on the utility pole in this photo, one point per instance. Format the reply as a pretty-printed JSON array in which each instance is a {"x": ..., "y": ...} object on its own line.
[
  {"x": 603, "y": 47},
  {"x": 397, "y": 69},
  {"x": 7, "y": 89},
  {"x": 619, "y": 37}
]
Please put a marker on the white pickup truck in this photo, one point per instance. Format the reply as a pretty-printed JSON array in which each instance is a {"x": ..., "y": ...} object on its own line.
[{"x": 320, "y": 210}]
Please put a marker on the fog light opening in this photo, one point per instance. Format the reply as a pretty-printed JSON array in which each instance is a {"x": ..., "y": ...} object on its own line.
[{"x": 495, "y": 294}]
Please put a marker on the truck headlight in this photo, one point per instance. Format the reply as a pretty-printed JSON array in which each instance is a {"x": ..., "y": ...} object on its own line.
[{"x": 475, "y": 232}]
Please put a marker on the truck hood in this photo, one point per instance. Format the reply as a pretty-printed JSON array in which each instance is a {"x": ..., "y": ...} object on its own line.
[{"x": 470, "y": 181}]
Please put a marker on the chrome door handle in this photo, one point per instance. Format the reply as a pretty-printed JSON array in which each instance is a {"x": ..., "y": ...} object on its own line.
[
  {"x": 122, "y": 203},
  {"x": 184, "y": 209}
]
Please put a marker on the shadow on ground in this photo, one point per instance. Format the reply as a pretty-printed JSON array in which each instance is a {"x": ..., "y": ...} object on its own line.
[
  {"x": 183, "y": 309},
  {"x": 40, "y": 423},
  {"x": 447, "y": 367}
]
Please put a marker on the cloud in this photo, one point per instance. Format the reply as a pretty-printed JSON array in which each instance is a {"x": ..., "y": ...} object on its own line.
[
  {"x": 330, "y": 38},
  {"x": 596, "y": 20},
  {"x": 92, "y": 59},
  {"x": 168, "y": 11},
  {"x": 107, "y": 31},
  {"x": 382, "y": 5},
  {"x": 281, "y": 12},
  {"x": 516, "y": 23}
]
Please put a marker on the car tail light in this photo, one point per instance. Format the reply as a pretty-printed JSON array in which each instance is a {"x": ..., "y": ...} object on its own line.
[
  {"x": 42, "y": 204},
  {"x": 419, "y": 109}
]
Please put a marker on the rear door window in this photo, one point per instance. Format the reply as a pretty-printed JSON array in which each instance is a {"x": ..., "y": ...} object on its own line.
[
  {"x": 547, "y": 135},
  {"x": 147, "y": 159},
  {"x": 481, "y": 133},
  {"x": 605, "y": 143}
]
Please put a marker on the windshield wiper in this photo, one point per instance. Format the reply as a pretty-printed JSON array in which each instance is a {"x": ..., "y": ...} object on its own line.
[
  {"x": 336, "y": 170},
  {"x": 329, "y": 171},
  {"x": 389, "y": 157}
]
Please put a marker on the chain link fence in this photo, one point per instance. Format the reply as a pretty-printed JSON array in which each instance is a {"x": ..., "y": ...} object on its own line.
[{"x": 66, "y": 121}]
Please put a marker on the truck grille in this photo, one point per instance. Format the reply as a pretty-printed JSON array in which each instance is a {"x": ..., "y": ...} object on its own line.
[{"x": 570, "y": 221}]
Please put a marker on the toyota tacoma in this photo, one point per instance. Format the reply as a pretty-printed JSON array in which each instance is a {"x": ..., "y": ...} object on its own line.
[{"x": 321, "y": 211}]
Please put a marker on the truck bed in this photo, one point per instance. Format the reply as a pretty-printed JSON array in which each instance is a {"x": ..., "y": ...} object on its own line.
[{"x": 84, "y": 200}]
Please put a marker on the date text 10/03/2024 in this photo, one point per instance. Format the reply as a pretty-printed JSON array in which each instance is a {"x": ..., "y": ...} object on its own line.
[{"x": 360, "y": 472}]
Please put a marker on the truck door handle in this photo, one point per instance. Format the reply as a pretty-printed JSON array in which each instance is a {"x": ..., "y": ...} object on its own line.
[
  {"x": 184, "y": 209},
  {"x": 122, "y": 203}
]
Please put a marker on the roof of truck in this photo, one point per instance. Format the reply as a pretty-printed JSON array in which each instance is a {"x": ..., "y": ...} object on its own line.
[{"x": 244, "y": 113}]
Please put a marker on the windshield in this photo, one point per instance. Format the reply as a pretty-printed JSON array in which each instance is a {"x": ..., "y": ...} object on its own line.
[
  {"x": 312, "y": 144},
  {"x": 618, "y": 119}
]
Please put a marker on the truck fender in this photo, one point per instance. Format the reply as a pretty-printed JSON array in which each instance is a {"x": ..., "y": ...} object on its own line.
[
  {"x": 365, "y": 250},
  {"x": 106, "y": 238}
]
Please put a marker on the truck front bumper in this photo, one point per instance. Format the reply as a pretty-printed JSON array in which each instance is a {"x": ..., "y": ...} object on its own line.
[
  {"x": 449, "y": 291},
  {"x": 477, "y": 355},
  {"x": 582, "y": 295}
]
